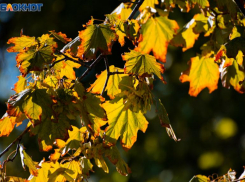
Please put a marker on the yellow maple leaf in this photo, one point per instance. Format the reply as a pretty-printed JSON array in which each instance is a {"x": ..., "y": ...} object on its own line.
[
  {"x": 112, "y": 85},
  {"x": 123, "y": 123},
  {"x": 20, "y": 84},
  {"x": 140, "y": 64},
  {"x": 156, "y": 35},
  {"x": 203, "y": 72}
]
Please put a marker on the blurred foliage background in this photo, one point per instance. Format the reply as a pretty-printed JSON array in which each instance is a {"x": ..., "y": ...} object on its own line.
[{"x": 211, "y": 126}]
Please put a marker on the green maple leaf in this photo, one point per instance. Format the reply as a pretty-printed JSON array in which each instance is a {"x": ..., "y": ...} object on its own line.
[
  {"x": 48, "y": 131},
  {"x": 141, "y": 64},
  {"x": 95, "y": 38},
  {"x": 123, "y": 123}
]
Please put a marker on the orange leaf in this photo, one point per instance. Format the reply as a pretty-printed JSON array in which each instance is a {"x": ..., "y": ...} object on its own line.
[
  {"x": 60, "y": 36},
  {"x": 203, "y": 72}
]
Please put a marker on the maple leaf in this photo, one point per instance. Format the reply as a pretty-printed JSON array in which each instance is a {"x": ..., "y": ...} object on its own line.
[
  {"x": 27, "y": 161},
  {"x": 20, "y": 84},
  {"x": 48, "y": 131},
  {"x": 7, "y": 123},
  {"x": 76, "y": 138},
  {"x": 164, "y": 119},
  {"x": 92, "y": 114},
  {"x": 95, "y": 38},
  {"x": 52, "y": 81},
  {"x": 156, "y": 33},
  {"x": 100, "y": 162},
  {"x": 112, "y": 85},
  {"x": 36, "y": 57},
  {"x": 136, "y": 96},
  {"x": 42, "y": 172},
  {"x": 60, "y": 36},
  {"x": 231, "y": 73},
  {"x": 15, "y": 103},
  {"x": 127, "y": 29},
  {"x": 202, "y": 72},
  {"x": 59, "y": 172},
  {"x": 36, "y": 105},
  {"x": 141, "y": 64},
  {"x": 123, "y": 123},
  {"x": 122, "y": 11},
  {"x": 65, "y": 68},
  {"x": 86, "y": 166},
  {"x": 200, "y": 178},
  {"x": 114, "y": 156},
  {"x": 190, "y": 32},
  {"x": 21, "y": 43}
]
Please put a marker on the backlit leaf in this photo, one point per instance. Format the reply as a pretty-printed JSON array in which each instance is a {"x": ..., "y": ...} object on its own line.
[
  {"x": 156, "y": 34},
  {"x": 21, "y": 43},
  {"x": 60, "y": 36},
  {"x": 66, "y": 68},
  {"x": 7, "y": 124},
  {"x": 48, "y": 131},
  {"x": 112, "y": 85},
  {"x": 42, "y": 173},
  {"x": 20, "y": 84},
  {"x": 123, "y": 123},
  {"x": 122, "y": 11},
  {"x": 127, "y": 29},
  {"x": 202, "y": 72},
  {"x": 95, "y": 38},
  {"x": 140, "y": 64},
  {"x": 27, "y": 161},
  {"x": 200, "y": 178},
  {"x": 232, "y": 75}
]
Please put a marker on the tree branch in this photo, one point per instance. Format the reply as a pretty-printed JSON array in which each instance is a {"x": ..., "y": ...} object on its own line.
[
  {"x": 19, "y": 138},
  {"x": 136, "y": 8},
  {"x": 108, "y": 74},
  {"x": 240, "y": 6},
  {"x": 12, "y": 159}
]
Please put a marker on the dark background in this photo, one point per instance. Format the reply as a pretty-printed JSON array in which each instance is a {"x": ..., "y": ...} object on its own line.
[{"x": 211, "y": 126}]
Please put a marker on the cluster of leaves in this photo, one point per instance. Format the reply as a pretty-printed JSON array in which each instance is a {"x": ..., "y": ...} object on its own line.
[
  {"x": 53, "y": 99},
  {"x": 229, "y": 177}
]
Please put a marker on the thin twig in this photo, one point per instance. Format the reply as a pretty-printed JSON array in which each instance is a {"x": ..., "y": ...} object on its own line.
[
  {"x": 17, "y": 139},
  {"x": 108, "y": 74},
  {"x": 135, "y": 9},
  {"x": 16, "y": 152},
  {"x": 240, "y": 6},
  {"x": 52, "y": 65}
]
